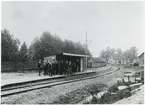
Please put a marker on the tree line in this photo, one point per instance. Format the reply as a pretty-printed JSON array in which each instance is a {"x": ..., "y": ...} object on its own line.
[
  {"x": 45, "y": 45},
  {"x": 130, "y": 54}
]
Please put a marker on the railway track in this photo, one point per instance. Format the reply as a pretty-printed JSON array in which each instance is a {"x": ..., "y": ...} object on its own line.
[{"x": 17, "y": 88}]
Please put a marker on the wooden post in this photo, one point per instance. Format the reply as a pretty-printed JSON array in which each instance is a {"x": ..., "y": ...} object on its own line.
[
  {"x": 128, "y": 78},
  {"x": 123, "y": 82},
  {"x": 118, "y": 83},
  {"x": 135, "y": 78}
]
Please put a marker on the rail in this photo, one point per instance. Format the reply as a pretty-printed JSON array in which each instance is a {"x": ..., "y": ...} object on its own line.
[{"x": 22, "y": 87}]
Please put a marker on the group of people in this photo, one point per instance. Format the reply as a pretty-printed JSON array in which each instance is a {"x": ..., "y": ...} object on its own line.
[
  {"x": 50, "y": 68},
  {"x": 61, "y": 67},
  {"x": 69, "y": 67}
]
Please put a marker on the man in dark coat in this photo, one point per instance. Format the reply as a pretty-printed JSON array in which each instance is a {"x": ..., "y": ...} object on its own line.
[
  {"x": 56, "y": 63},
  {"x": 49, "y": 69},
  {"x": 39, "y": 68},
  {"x": 62, "y": 68},
  {"x": 73, "y": 68},
  {"x": 53, "y": 68},
  {"x": 45, "y": 68}
]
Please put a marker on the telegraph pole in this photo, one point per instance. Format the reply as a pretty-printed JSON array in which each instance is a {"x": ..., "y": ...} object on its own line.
[
  {"x": 86, "y": 50},
  {"x": 87, "y": 47}
]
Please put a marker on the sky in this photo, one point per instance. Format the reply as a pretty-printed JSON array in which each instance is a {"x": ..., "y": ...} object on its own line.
[{"x": 117, "y": 24}]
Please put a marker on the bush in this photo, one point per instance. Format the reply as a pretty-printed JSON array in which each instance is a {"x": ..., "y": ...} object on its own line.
[
  {"x": 94, "y": 100},
  {"x": 123, "y": 94},
  {"x": 113, "y": 88},
  {"x": 109, "y": 98},
  {"x": 126, "y": 93},
  {"x": 93, "y": 89},
  {"x": 79, "y": 94}
]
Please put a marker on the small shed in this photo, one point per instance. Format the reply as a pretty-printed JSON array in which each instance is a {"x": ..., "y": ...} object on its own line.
[
  {"x": 96, "y": 62},
  {"x": 141, "y": 59}
]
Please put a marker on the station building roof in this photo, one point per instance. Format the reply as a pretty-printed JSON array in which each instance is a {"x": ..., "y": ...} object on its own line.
[
  {"x": 69, "y": 54},
  {"x": 76, "y": 55}
]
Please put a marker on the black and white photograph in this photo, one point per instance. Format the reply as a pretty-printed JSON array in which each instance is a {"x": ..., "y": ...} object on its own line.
[{"x": 72, "y": 52}]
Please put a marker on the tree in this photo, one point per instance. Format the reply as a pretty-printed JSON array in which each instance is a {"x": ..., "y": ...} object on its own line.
[
  {"x": 10, "y": 46},
  {"x": 131, "y": 54},
  {"x": 48, "y": 44},
  {"x": 119, "y": 53},
  {"x": 23, "y": 52},
  {"x": 102, "y": 54},
  {"x": 107, "y": 54},
  {"x": 34, "y": 51}
]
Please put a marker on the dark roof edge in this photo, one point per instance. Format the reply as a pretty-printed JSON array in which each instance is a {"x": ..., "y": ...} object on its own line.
[
  {"x": 78, "y": 55},
  {"x": 140, "y": 54}
]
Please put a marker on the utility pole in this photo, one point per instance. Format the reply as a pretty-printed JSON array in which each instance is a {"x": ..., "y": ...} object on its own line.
[{"x": 87, "y": 48}]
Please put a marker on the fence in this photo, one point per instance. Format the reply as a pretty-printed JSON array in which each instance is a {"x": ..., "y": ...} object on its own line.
[{"x": 10, "y": 66}]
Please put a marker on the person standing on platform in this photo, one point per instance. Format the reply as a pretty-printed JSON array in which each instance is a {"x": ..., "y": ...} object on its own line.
[
  {"x": 45, "y": 68},
  {"x": 73, "y": 68},
  {"x": 69, "y": 68},
  {"x": 61, "y": 67},
  {"x": 39, "y": 67},
  {"x": 51, "y": 69},
  {"x": 64, "y": 68},
  {"x": 78, "y": 65},
  {"x": 56, "y": 68}
]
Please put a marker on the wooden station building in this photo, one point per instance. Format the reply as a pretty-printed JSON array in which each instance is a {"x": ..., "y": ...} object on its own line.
[{"x": 66, "y": 58}]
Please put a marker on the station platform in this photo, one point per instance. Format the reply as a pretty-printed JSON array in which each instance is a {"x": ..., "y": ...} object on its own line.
[{"x": 10, "y": 78}]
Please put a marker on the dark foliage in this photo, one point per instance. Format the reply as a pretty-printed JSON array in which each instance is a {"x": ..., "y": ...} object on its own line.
[
  {"x": 113, "y": 88},
  {"x": 79, "y": 94},
  {"x": 10, "y": 46},
  {"x": 48, "y": 44},
  {"x": 45, "y": 45},
  {"x": 109, "y": 98}
]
